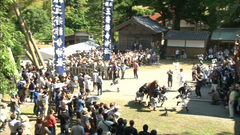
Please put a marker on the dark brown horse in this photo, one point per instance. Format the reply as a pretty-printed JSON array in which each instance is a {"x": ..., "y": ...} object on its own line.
[{"x": 150, "y": 88}]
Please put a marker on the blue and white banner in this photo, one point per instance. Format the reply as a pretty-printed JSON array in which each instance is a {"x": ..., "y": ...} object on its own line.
[
  {"x": 107, "y": 29},
  {"x": 58, "y": 11}
]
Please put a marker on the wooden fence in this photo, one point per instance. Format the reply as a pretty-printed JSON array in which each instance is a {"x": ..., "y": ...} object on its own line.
[{"x": 78, "y": 70}]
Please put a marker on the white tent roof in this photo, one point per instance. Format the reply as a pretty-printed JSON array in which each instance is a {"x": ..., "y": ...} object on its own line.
[
  {"x": 48, "y": 53},
  {"x": 84, "y": 46}
]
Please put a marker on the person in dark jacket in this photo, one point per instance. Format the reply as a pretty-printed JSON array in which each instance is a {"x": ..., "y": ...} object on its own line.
[{"x": 64, "y": 121}]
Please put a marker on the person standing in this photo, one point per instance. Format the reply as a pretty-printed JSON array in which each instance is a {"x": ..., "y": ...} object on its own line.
[
  {"x": 99, "y": 84},
  {"x": 36, "y": 104},
  {"x": 116, "y": 81},
  {"x": 32, "y": 87},
  {"x": 88, "y": 85},
  {"x": 15, "y": 106},
  {"x": 64, "y": 121},
  {"x": 79, "y": 106},
  {"x": 182, "y": 78},
  {"x": 214, "y": 77},
  {"x": 135, "y": 69},
  {"x": 123, "y": 68},
  {"x": 231, "y": 101},
  {"x": 170, "y": 76},
  {"x": 51, "y": 122},
  {"x": 78, "y": 129},
  {"x": 199, "y": 85},
  {"x": 94, "y": 79},
  {"x": 80, "y": 82}
]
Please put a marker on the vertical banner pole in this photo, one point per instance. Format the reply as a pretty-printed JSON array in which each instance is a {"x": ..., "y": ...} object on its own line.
[
  {"x": 107, "y": 29},
  {"x": 58, "y": 13}
]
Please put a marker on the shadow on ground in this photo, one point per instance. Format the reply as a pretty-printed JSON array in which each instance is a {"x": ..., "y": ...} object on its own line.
[
  {"x": 140, "y": 107},
  {"x": 205, "y": 108}
]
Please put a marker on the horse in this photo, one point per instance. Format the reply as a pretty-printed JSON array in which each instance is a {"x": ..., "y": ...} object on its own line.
[{"x": 150, "y": 88}]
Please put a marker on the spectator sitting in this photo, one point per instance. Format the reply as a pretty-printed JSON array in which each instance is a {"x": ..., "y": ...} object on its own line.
[
  {"x": 78, "y": 129},
  {"x": 119, "y": 127},
  {"x": 14, "y": 124},
  {"x": 145, "y": 130},
  {"x": 153, "y": 132},
  {"x": 4, "y": 117},
  {"x": 38, "y": 126},
  {"x": 131, "y": 129},
  {"x": 99, "y": 131},
  {"x": 215, "y": 98}
]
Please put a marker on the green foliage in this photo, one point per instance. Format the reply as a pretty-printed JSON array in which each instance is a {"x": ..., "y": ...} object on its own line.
[
  {"x": 12, "y": 39},
  {"x": 75, "y": 20},
  {"x": 68, "y": 31},
  {"x": 94, "y": 17},
  {"x": 140, "y": 11},
  {"x": 36, "y": 18}
]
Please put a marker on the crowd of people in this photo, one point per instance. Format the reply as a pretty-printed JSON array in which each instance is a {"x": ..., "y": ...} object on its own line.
[
  {"x": 66, "y": 97},
  {"x": 222, "y": 77},
  {"x": 61, "y": 97}
]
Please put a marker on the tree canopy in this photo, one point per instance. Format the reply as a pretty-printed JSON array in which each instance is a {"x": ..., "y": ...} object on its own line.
[
  {"x": 9, "y": 38},
  {"x": 86, "y": 15}
]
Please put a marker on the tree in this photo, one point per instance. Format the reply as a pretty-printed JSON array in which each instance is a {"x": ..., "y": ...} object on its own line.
[
  {"x": 222, "y": 13},
  {"x": 94, "y": 17},
  {"x": 13, "y": 39},
  {"x": 38, "y": 22}
]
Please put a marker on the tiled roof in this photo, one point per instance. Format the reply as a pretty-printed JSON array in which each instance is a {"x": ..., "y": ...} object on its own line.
[
  {"x": 143, "y": 21},
  {"x": 187, "y": 35},
  {"x": 151, "y": 24},
  {"x": 227, "y": 34}
]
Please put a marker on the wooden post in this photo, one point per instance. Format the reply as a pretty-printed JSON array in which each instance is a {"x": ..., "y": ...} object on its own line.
[
  {"x": 17, "y": 10},
  {"x": 29, "y": 55}
]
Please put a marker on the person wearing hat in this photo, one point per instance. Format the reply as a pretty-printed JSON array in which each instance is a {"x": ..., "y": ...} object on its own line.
[{"x": 199, "y": 85}]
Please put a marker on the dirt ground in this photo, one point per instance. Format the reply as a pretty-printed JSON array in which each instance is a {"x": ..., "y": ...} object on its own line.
[{"x": 129, "y": 86}]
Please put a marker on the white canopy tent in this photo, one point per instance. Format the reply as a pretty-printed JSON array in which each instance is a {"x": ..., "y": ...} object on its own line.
[{"x": 48, "y": 53}]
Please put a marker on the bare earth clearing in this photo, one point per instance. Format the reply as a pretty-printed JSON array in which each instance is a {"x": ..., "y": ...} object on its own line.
[{"x": 202, "y": 119}]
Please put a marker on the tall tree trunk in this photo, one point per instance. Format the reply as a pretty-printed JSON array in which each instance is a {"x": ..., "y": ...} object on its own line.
[
  {"x": 31, "y": 42},
  {"x": 176, "y": 20},
  {"x": 17, "y": 10}
]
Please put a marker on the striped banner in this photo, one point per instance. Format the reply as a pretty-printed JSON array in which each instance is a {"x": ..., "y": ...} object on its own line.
[
  {"x": 58, "y": 22},
  {"x": 107, "y": 29}
]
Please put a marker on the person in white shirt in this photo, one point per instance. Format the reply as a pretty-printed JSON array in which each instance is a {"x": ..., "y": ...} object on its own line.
[
  {"x": 232, "y": 97},
  {"x": 88, "y": 85},
  {"x": 105, "y": 124},
  {"x": 4, "y": 116},
  {"x": 94, "y": 79},
  {"x": 182, "y": 78}
]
